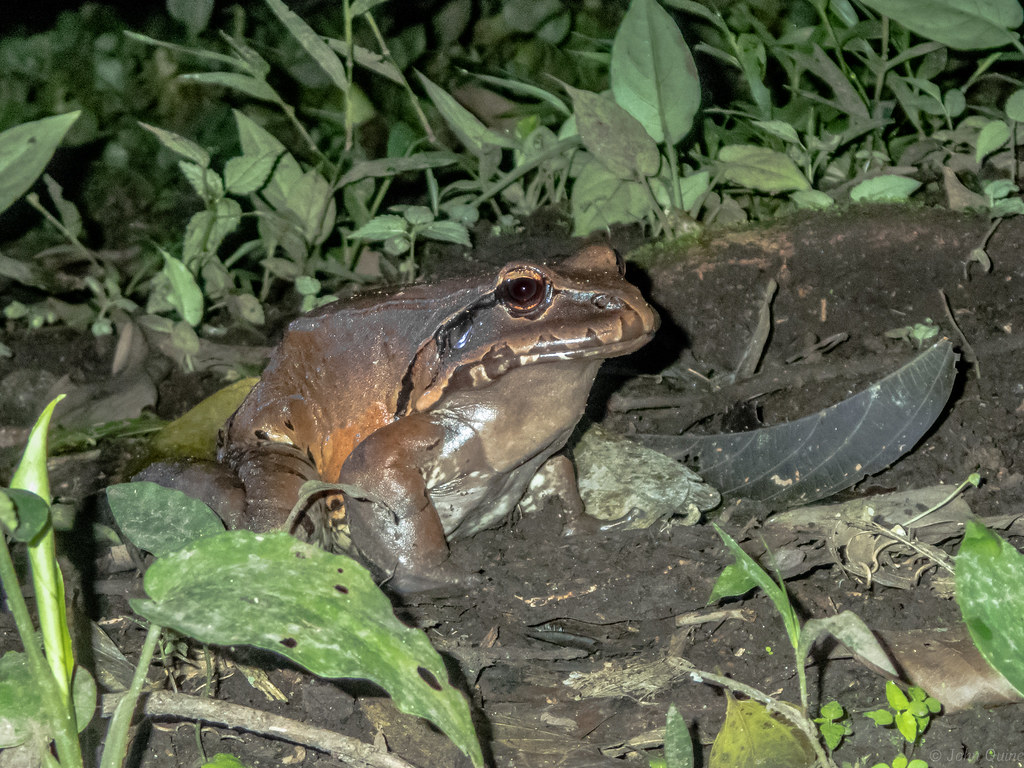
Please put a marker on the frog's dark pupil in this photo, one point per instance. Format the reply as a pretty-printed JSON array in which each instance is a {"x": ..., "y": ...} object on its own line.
[{"x": 525, "y": 290}]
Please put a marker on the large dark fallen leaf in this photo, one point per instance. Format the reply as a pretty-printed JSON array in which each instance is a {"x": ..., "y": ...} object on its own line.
[{"x": 811, "y": 458}]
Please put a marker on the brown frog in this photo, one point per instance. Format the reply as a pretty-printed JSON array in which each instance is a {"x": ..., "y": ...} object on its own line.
[{"x": 435, "y": 405}]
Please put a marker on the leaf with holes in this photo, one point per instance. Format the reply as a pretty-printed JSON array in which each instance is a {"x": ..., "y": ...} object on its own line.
[
  {"x": 990, "y": 593},
  {"x": 320, "y": 610}
]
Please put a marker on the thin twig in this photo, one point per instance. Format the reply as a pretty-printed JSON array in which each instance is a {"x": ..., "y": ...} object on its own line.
[{"x": 352, "y": 751}]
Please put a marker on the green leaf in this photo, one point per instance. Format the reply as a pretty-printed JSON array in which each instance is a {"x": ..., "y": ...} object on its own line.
[
  {"x": 906, "y": 724},
  {"x": 179, "y": 145},
  {"x": 25, "y": 150},
  {"x": 653, "y": 75},
  {"x": 678, "y": 745},
  {"x": 896, "y": 698},
  {"x": 160, "y": 520},
  {"x": 976, "y": 25},
  {"x": 851, "y": 631},
  {"x": 244, "y": 175},
  {"x": 880, "y": 716},
  {"x": 614, "y": 136},
  {"x": 476, "y": 136},
  {"x": 194, "y": 14},
  {"x": 185, "y": 295},
  {"x": 990, "y": 593},
  {"x": 26, "y": 513},
  {"x": 993, "y": 136},
  {"x": 207, "y": 229},
  {"x": 313, "y": 43},
  {"x": 446, "y": 232},
  {"x": 1015, "y": 106},
  {"x": 236, "y": 81},
  {"x": 224, "y": 760},
  {"x": 600, "y": 198},
  {"x": 205, "y": 181},
  {"x": 320, "y": 610},
  {"x": 760, "y": 168},
  {"x": 68, "y": 211},
  {"x": 750, "y": 736},
  {"x": 888, "y": 188},
  {"x": 392, "y": 166},
  {"x": 23, "y": 715},
  {"x": 749, "y": 570},
  {"x": 381, "y": 228},
  {"x": 311, "y": 199}
]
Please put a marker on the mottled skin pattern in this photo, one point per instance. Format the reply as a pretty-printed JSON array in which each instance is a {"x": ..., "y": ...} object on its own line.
[{"x": 436, "y": 405}]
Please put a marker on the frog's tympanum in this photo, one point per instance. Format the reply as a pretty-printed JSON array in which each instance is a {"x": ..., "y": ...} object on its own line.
[{"x": 435, "y": 405}]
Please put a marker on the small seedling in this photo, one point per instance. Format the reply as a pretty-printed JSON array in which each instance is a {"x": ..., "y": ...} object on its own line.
[
  {"x": 900, "y": 761},
  {"x": 830, "y": 725},
  {"x": 911, "y": 711}
]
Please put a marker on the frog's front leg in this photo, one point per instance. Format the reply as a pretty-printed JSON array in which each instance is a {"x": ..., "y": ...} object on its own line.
[
  {"x": 556, "y": 479},
  {"x": 272, "y": 474},
  {"x": 394, "y": 523}
]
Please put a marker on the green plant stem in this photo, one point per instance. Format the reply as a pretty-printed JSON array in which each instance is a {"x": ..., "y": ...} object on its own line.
[
  {"x": 673, "y": 168},
  {"x": 973, "y": 479},
  {"x": 350, "y": 66},
  {"x": 793, "y": 715},
  {"x": 62, "y": 717},
  {"x": 386, "y": 53},
  {"x": 512, "y": 176},
  {"x": 33, "y": 199},
  {"x": 116, "y": 748}
]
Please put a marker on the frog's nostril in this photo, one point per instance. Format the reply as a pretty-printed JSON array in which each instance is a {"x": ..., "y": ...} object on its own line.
[{"x": 604, "y": 301}]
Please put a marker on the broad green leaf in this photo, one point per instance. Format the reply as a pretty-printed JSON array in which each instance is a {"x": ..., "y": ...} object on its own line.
[
  {"x": 992, "y": 137},
  {"x": 179, "y": 145},
  {"x": 25, "y": 151},
  {"x": 244, "y": 175},
  {"x": 601, "y": 199},
  {"x": 68, "y": 211},
  {"x": 381, "y": 228},
  {"x": 185, "y": 295},
  {"x": 446, "y": 232},
  {"x": 160, "y": 520},
  {"x": 779, "y": 129},
  {"x": 26, "y": 513},
  {"x": 23, "y": 713},
  {"x": 194, "y": 434},
  {"x": 692, "y": 189},
  {"x": 236, "y": 81},
  {"x": 476, "y": 136},
  {"x": 224, "y": 760},
  {"x": 320, "y": 610},
  {"x": 811, "y": 199},
  {"x": 678, "y": 745},
  {"x": 889, "y": 188},
  {"x": 750, "y": 736},
  {"x": 741, "y": 575},
  {"x": 848, "y": 628},
  {"x": 194, "y": 14},
  {"x": 1015, "y": 106},
  {"x": 417, "y": 215},
  {"x": 256, "y": 141},
  {"x": 392, "y": 166},
  {"x": 990, "y": 593},
  {"x": 975, "y": 25},
  {"x": 312, "y": 42},
  {"x": 653, "y": 75},
  {"x": 311, "y": 200},
  {"x": 206, "y": 230},
  {"x": 760, "y": 168},
  {"x": 205, "y": 181},
  {"x": 614, "y": 136}
]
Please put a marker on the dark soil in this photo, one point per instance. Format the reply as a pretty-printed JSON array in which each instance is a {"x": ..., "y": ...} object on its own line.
[{"x": 554, "y": 609}]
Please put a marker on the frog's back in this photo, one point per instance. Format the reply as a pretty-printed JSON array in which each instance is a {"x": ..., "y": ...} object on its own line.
[{"x": 337, "y": 376}]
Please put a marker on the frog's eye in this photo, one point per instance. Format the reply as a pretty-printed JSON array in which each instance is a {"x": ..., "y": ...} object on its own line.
[{"x": 523, "y": 291}]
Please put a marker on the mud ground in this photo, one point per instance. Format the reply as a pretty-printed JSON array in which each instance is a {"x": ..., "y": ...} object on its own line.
[{"x": 556, "y": 610}]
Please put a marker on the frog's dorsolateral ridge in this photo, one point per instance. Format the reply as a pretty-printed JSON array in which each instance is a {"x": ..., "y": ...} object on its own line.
[{"x": 439, "y": 403}]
